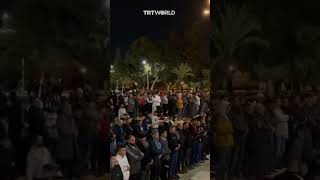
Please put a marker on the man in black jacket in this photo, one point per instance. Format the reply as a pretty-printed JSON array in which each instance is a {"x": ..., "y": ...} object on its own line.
[
  {"x": 174, "y": 146},
  {"x": 147, "y": 160},
  {"x": 188, "y": 145},
  {"x": 116, "y": 172},
  {"x": 181, "y": 156},
  {"x": 157, "y": 153},
  {"x": 172, "y": 105}
]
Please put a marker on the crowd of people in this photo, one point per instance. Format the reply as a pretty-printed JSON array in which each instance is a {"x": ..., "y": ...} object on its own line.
[
  {"x": 158, "y": 134},
  {"x": 50, "y": 131},
  {"x": 255, "y": 136},
  {"x": 151, "y": 135}
]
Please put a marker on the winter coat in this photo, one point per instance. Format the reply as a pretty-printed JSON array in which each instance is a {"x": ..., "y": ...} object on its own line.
[
  {"x": 166, "y": 149},
  {"x": 173, "y": 141},
  {"x": 223, "y": 132},
  {"x": 156, "y": 152},
  {"x": 179, "y": 103},
  {"x": 134, "y": 156},
  {"x": 116, "y": 173},
  {"x": 147, "y": 158},
  {"x": 125, "y": 166}
]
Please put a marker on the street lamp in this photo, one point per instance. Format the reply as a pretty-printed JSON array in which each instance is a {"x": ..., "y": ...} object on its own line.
[
  {"x": 206, "y": 12},
  {"x": 112, "y": 69},
  {"x": 144, "y": 62},
  {"x": 182, "y": 83},
  {"x": 145, "y": 65}
]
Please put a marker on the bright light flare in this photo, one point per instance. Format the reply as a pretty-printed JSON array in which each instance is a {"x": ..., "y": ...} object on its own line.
[
  {"x": 206, "y": 12},
  {"x": 83, "y": 70}
]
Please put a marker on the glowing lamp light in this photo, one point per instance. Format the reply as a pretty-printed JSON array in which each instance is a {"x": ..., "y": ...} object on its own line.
[
  {"x": 206, "y": 12},
  {"x": 83, "y": 70}
]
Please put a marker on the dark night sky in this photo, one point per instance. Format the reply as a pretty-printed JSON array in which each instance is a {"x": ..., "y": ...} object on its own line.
[{"x": 128, "y": 22}]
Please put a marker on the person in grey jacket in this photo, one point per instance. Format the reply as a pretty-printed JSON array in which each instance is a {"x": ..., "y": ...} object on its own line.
[{"x": 135, "y": 156}]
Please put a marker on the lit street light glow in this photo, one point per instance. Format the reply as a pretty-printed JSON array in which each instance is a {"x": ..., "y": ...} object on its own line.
[
  {"x": 83, "y": 70},
  {"x": 206, "y": 12},
  {"x": 144, "y": 62}
]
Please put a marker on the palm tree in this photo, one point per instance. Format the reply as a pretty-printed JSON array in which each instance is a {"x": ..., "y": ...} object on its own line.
[
  {"x": 235, "y": 28},
  {"x": 206, "y": 78},
  {"x": 182, "y": 72}
]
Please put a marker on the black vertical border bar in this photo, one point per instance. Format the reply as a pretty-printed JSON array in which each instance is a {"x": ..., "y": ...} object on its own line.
[
  {"x": 214, "y": 6},
  {"x": 107, "y": 86}
]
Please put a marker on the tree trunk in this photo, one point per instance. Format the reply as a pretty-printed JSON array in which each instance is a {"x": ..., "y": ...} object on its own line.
[{"x": 154, "y": 82}]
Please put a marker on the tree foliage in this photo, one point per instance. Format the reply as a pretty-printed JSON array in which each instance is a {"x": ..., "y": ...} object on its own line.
[
  {"x": 235, "y": 28},
  {"x": 238, "y": 28},
  {"x": 76, "y": 29},
  {"x": 182, "y": 72}
]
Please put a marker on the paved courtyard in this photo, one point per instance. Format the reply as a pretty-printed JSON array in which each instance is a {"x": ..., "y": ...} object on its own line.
[{"x": 202, "y": 172}]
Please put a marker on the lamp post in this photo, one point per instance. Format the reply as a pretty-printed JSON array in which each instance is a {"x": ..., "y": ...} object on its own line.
[
  {"x": 182, "y": 83},
  {"x": 206, "y": 11},
  {"x": 145, "y": 65},
  {"x": 112, "y": 71}
]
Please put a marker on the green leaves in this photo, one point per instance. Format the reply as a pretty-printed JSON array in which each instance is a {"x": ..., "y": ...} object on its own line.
[
  {"x": 182, "y": 72},
  {"x": 237, "y": 28}
]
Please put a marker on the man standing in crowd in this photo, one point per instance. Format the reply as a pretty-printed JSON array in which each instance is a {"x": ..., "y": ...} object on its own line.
[
  {"x": 281, "y": 131},
  {"x": 134, "y": 156},
  {"x": 116, "y": 172},
  {"x": 165, "y": 106},
  {"x": 174, "y": 146},
  {"x": 147, "y": 161},
  {"x": 157, "y": 153},
  {"x": 123, "y": 162},
  {"x": 166, "y": 154}
]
